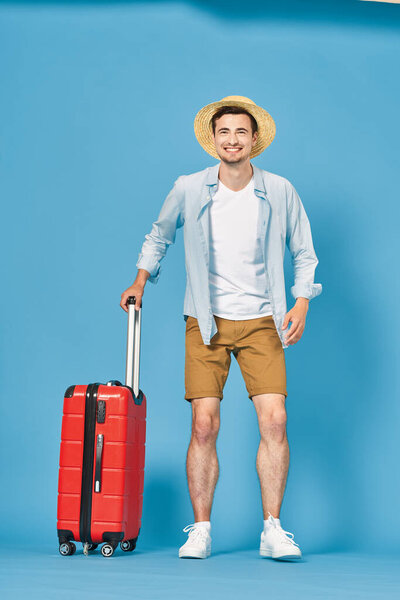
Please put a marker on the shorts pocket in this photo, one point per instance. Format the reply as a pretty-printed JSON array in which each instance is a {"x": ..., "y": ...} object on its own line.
[{"x": 191, "y": 324}]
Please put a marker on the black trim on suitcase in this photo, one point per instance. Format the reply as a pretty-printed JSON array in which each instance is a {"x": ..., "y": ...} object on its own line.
[
  {"x": 65, "y": 535},
  {"x": 87, "y": 464},
  {"x": 137, "y": 399},
  {"x": 113, "y": 537},
  {"x": 69, "y": 392},
  {"x": 101, "y": 411}
]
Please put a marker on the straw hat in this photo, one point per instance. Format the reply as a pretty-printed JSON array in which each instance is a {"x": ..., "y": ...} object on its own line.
[{"x": 203, "y": 127}]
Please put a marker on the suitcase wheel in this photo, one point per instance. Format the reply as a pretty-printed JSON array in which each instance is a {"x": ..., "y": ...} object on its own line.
[
  {"x": 67, "y": 548},
  {"x": 127, "y": 545},
  {"x": 107, "y": 550}
]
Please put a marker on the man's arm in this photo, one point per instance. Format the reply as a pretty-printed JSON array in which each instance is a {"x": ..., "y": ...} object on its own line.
[
  {"x": 156, "y": 243},
  {"x": 163, "y": 233},
  {"x": 304, "y": 261},
  {"x": 300, "y": 244}
]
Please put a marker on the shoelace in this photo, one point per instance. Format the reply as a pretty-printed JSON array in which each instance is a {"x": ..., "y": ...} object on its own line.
[
  {"x": 288, "y": 536},
  {"x": 195, "y": 531}
]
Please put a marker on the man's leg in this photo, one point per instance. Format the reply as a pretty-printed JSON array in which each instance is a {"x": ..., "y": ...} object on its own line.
[
  {"x": 202, "y": 462},
  {"x": 273, "y": 452}
]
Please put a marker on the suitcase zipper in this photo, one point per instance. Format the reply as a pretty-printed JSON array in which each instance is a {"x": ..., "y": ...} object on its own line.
[{"x": 88, "y": 462}]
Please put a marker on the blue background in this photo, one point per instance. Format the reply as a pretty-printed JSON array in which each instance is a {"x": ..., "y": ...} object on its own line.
[{"x": 97, "y": 103}]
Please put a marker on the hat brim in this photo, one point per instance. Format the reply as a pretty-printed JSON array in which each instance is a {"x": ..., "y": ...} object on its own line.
[{"x": 204, "y": 133}]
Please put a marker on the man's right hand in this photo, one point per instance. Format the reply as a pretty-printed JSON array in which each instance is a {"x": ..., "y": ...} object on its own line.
[{"x": 136, "y": 290}]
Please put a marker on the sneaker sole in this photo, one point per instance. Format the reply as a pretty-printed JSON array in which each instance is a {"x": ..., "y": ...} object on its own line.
[
  {"x": 269, "y": 554},
  {"x": 194, "y": 554}
]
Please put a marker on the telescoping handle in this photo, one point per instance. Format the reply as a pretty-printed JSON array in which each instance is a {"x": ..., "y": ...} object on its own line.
[{"x": 133, "y": 345}]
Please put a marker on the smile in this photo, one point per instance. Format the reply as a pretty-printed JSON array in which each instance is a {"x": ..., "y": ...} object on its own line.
[{"x": 232, "y": 149}]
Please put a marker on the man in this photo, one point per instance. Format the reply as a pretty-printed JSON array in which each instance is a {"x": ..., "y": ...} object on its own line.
[{"x": 237, "y": 220}]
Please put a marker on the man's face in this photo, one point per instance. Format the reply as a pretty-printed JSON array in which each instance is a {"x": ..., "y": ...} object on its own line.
[{"x": 233, "y": 138}]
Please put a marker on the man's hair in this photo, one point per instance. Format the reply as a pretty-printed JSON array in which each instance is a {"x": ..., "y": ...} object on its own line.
[{"x": 233, "y": 110}]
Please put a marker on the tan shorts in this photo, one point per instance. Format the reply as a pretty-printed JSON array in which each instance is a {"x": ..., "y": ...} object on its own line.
[{"x": 255, "y": 344}]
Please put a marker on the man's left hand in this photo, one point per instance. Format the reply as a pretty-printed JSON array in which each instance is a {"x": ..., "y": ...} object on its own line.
[{"x": 297, "y": 316}]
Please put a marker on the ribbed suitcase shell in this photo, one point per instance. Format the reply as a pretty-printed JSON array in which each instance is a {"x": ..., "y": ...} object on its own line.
[{"x": 114, "y": 513}]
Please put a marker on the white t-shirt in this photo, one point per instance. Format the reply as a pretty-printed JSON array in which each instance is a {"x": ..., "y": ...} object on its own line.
[{"x": 238, "y": 284}]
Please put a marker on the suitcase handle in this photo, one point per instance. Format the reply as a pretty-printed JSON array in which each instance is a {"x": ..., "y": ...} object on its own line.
[
  {"x": 133, "y": 346},
  {"x": 99, "y": 454}
]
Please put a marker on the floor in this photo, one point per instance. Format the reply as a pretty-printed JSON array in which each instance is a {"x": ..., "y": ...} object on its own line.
[{"x": 151, "y": 574}]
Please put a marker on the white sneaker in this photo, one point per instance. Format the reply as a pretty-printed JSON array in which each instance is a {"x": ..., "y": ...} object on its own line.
[
  {"x": 198, "y": 544},
  {"x": 277, "y": 543}
]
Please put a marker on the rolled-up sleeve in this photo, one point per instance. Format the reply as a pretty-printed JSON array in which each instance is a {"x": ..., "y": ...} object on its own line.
[
  {"x": 300, "y": 244},
  {"x": 163, "y": 232}
]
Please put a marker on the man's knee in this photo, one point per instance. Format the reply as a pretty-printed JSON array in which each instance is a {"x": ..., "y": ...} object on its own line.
[
  {"x": 272, "y": 419},
  {"x": 205, "y": 420}
]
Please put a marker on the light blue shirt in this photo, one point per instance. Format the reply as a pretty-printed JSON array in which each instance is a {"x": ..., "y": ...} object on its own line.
[{"x": 282, "y": 221}]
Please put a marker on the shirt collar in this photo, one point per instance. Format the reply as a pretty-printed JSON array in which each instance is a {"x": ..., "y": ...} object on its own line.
[{"x": 259, "y": 185}]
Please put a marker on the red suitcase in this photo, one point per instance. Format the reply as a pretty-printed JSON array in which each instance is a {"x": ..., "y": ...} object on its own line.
[{"x": 100, "y": 483}]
